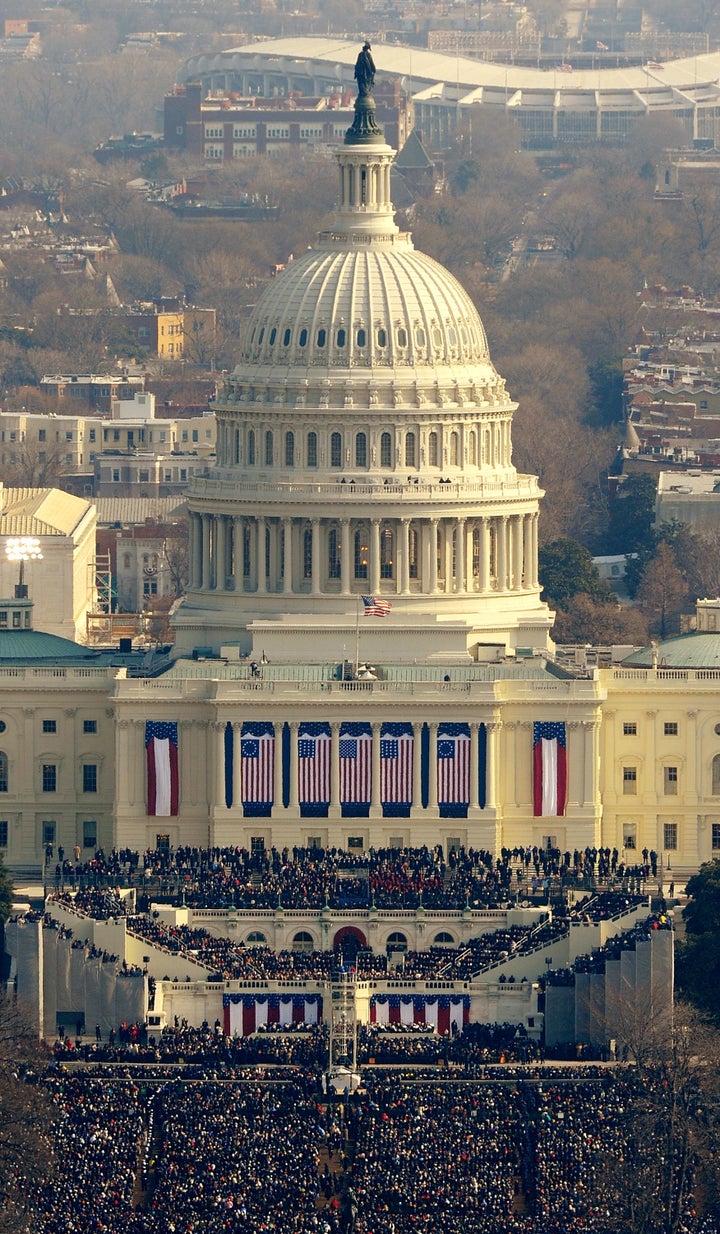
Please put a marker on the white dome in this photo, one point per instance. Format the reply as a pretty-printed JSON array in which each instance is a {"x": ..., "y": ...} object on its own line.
[{"x": 385, "y": 306}]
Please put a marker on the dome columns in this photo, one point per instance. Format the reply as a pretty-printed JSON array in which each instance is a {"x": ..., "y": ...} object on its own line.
[{"x": 405, "y": 557}]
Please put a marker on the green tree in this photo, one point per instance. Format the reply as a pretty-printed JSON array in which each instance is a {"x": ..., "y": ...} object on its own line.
[
  {"x": 606, "y": 386},
  {"x": 632, "y": 515},
  {"x": 567, "y": 568},
  {"x": 698, "y": 955}
]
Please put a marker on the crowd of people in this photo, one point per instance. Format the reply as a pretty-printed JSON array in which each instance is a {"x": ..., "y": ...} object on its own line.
[{"x": 315, "y": 877}]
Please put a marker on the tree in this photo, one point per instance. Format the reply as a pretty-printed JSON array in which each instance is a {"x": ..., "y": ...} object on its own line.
[
  {"x": 632, "y": 515},
  {"x": 662, "y": 591},
  {"x": 567, "y": 568},
  {"x": 26, "y": 1118},
  {"x": 6, "y": 892},
  {"x": 606, "y": 386},
  {"x": 586, "y": 620}
]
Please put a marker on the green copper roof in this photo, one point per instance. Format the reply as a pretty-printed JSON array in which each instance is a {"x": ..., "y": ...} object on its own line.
[
  {"x": 699, "y": 649},
  {"x": 30, "y": 646}
]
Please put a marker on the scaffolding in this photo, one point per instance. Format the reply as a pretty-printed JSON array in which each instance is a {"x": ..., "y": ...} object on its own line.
[{"x": 342, "y": 1060}]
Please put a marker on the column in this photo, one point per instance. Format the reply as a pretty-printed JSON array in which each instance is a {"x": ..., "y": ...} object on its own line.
[
  {"x": 294, "y": 803},
  {"x": 460, "y": 546},
  {"x": 448, "y": 554},
  {"x": 221, "y": 553},
  {"x": 417, "y": 769},
  {"x": 278, "y": 770},
  {"x": 375, "y": 804},
  {"x": 287, "y": 556},
  {"x": 469, "y": 563},
  {"x": 346, "y": 558},
  {"x": 534, "y": 553},
  {"x": 206, "y": 560},
  {"x": 432, "y": 777},
  {"x": 315, "y": 581},
  {"x": 484, "y": 548},
  {"x": 403, "y": 557},
  {"x": 238, "y": 552},
  {"x": 218, "y": 747},
  {"x": 474, "y": 776},
  {"x": 493, "y": 738},
  {"x": 527, "y": 551},
  {"x": 196, "y": 550},
  {"x": 517, "y": 548},
  {"x": 334, "y": 811},
  {"x": 501, "y": 553},
  {"x": 260, "y": 575},
  {"x": 433, "y": 555},
  {"x": 375, "y": 555},
  {"x": 592, "y": 764},
  {"x": 237, "y": 767}
]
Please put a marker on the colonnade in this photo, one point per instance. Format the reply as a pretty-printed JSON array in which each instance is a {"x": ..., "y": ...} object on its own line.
[
  {"x": 286, "y": 780},
  {"x": 394, "y": 556}
]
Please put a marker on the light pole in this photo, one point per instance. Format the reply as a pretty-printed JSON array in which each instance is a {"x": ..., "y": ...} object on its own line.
[{"x": 22, "y": 549}]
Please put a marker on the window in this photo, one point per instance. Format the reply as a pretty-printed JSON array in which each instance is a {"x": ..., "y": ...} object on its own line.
[
  {"x": 433, "y": 449},
  {"x": 3, "y": 833},
  {"x": 716, "y": 776},
  {"x": 629, "y": 728},
  {"x": 49, "y": 778},
  {"x": 629, "y": 835},
  {"x": 410, "y": 450},
  {"x": 629, "y": 780},
  {"x": 89, "y": 726},
  {"x": 3, "y": 772},
  {"x": 361, "y": 554},
  {"x": 290, "y": 449},
  {"x": 89, "y": 833},
  {"x": 715, "y": 835},
  {"x": 307, "y": 554},
  {"x": 268, "y": 449},
  {"x": 670, "y": 728},
  {"x": 443, "y": 939},
  {"x": 361, "y": 450},
  {"x": 251, "y": 449},
  {"x": 396, "y": 942},
  {"x": 385, "y": 450},
  {"x": 49, "y": 726},
  {"x": 333, "y": 554},
  {"x": 90, "y": 781},
  {"x": 670, "y": 781},
  {"x": 670, "y": 836},
  {"x": 336, "y": 450},
  {"x": 48, "y": 832},
  {"x": 303, "y": 942},
  {"x": 256, "y": 938},
  {"x": 386, "y": 553}
]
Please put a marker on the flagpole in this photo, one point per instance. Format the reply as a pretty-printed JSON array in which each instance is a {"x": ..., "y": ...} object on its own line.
[{"x": 357, "y": 634}]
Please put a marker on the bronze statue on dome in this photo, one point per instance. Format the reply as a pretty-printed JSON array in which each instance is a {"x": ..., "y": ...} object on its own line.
[{"x": 365, "y": 71}]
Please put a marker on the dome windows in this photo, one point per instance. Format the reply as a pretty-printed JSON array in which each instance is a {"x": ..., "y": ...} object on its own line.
[
  {"x": 312, "y": 450},
  {"x": 290, "y": 449},
  {"x": 361, "y": 450},
  {"x": 251, "y": 448},
  {"x": 261, "y": 335},
  {"x": 410, "y": 450},
  {"x": 321, "y": 337},
  {"x": 402, "y": 338},
  {"x": 268, "y": 449},
  {"x": 433, "y": 449},
  {"x": 385, "y": 450},
  {"x": 436, "y": 338},
  {"x": 286, "y": 337},
  {"x": 335, "y": 450},
  {"x": 361, "y": 337},
  {"x": 381, "y": 336},
  {"x": 273, "y": 336},
  {"x": 302, "y": 340},
  {"x": 419, "y": 336},
  {"x": 341, "y": 337}
]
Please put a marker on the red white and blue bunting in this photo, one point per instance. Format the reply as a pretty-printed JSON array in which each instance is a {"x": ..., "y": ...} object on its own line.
[
  {"x": 244, "y": 1014},
  {"x": 444, "y": 1012}
]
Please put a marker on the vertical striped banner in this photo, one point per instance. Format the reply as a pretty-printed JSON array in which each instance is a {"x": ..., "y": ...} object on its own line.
[
  {"x": 453, "y": 769},
  {"x": 355, "y": 754},
  {"x": 397, "y": 757},
  {"x": 313, "y": 755},
  {"x": 257, "y": 767}
]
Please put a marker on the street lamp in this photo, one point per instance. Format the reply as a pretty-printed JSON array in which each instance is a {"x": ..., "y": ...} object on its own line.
[{"x": 22, "y": 549}]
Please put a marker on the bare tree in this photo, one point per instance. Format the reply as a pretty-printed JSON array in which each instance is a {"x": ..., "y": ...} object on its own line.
[{"x": 26, "y": 1117}]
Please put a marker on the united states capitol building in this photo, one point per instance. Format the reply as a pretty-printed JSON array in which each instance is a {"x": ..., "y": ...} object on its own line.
[{"x": 362, "y": 658}]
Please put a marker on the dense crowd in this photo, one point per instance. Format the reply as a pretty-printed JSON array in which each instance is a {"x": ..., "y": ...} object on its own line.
[{"x": 314, "y": 877}]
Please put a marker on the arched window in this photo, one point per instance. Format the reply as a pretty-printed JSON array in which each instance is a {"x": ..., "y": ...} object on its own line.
[
  {"x": 396, "y": 942},
  {"x": 443, "y": 939},
  {"x": 361, "y": 337},
  {"x": 256, "y": 938},
  {"x": 3, "y": 772},
  {"x": 251, "y": 448},
  {"x": 340, "y": 337},
  {"x": 361, "y": 450},
  {"x": 336, "y": 450},
  {"x": 362, "y": 553},
  {"x": 433, "y": 449},
  {"x": 386, "y": 450},
  {"x": 486, "y": 446},
  {"x": 333, "y": 554},
  {"x": 716, "y": 776},
  {"x": 476, "y": 552},
  {"x": 268, "y": 449},
  {"x": 387, "y": 544},
  {"x": 455, "y": 449},
  {"x": 303, "y": 941},
  {"x": 312, "y": 450},
  {"x": 409, "y": 449},
  {"x": 290, "y": 449},
  {"x": 307, "y": 553},
  {"x": 472, "y": 447},
  {"x": 236, "y": 452}
]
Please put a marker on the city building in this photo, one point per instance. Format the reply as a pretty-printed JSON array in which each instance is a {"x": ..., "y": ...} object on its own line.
[
  {"x": 171, "y": 329},
  {"x": 560, "y": 105}
]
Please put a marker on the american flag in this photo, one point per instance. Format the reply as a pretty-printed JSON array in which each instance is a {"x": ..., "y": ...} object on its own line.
[
  {"x": 355, "y": 750},
  {"x": 257, "y": 759},
  {"x": 376, "y": 606},
  {"x": 397, "y": 751},
  {"x": 453, "y": 764},
  {"x": 602, "y": 46},
  {"x": 314, "y": 764},
  {"x": 163, "y": 774},
  {"x": 549, "y": 769},
  {"x": 564, "y": 68}
]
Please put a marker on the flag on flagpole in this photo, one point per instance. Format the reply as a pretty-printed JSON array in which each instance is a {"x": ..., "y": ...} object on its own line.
[
  {"x": 313, "y": 755},
  {"x": 355, "y": 752},
  {"x": 257, "y": 761},
  {"x": 549, "y": 769},
  {"x": 376, "y": 606},
  {"x": 602, "y": 46},
  {"x": 564, "y": 68},
  {"x": 163, "y": 780},
  {"x": 397, "y": 753},
  {"x": 453, "y": 764}
]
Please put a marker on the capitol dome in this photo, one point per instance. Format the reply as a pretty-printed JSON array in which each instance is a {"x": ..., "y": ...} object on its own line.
[{"x": 364, "y": 447}]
